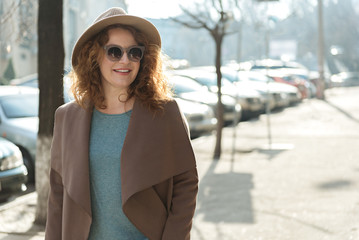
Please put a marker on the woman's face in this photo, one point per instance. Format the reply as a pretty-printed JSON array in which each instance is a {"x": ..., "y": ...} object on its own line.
[{"x": 118, "y": 75}]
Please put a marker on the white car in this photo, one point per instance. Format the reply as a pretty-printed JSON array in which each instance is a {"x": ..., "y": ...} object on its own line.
[
  {"x": 19, "y": 121},
  {"x": 13, "y": 173},
  {"x": 188, "y": 89},
  {"x": 200, "y": 117},
  {"x": 282, "y": 93}
]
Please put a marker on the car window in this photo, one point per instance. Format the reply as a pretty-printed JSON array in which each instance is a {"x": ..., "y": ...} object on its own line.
[
  {"x": 258, "y": 77},
  {"x": 226, "y": 82},
  {"x": 19, "y": 106},
  {"x": 31, "y": 83},
  {"x": 183, "y": 85},
  {"x": 207, "y": 81}
]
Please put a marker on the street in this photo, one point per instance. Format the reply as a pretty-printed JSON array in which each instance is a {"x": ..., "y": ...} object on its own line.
[{"x": 299, "y": 184}]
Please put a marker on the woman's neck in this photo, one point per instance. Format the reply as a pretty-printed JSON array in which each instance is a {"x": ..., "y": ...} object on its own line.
[{"x": 118, "y": 105}]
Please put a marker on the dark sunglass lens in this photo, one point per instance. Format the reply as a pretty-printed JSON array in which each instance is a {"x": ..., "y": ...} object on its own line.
[
  {"x": 114, "y": 53},
  {"x": 135, "y": 54}
]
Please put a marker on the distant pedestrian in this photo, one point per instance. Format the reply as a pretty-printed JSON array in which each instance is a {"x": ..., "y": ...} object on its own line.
[{"x": 122, "y": 164}]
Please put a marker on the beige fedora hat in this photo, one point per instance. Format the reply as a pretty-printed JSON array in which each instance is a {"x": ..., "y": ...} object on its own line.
[{"x": 112, "y": 16}]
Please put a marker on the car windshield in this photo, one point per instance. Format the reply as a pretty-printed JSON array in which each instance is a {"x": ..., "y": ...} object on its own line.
[
  {"x": 184, "y": 85},
  {"x": 19, "y": 106},
  {"x": 30, "y": 83},
  {"x": 255, "y": 77},
  {"x": 212, "y": 81},
  {"x": 207, "y": 81}
]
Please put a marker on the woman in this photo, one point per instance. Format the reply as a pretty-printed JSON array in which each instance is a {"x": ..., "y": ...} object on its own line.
[{"x": 122, "y": 165}]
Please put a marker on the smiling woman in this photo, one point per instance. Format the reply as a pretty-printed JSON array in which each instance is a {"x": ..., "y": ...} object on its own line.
[
  {"x": 122, "y": 165},
  {"x": 119, "y": 67}
]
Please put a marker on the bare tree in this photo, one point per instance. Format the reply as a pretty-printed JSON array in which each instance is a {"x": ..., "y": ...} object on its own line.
[
  {"x": 215, "y": 19},
  {"x": 17, "y": 29},
  {"x": 50, "y": 70}
]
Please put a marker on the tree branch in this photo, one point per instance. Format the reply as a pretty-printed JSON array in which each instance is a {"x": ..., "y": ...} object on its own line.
[
  {"x": 8, "y": 14},
  {"x": 200, "y": 22},
  {"x": 187, "y": 24}
]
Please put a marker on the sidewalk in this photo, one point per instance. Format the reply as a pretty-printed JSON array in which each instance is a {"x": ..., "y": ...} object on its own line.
[
  {"x": 304, "y": 186},
  {"x": 16, "y": 219}
]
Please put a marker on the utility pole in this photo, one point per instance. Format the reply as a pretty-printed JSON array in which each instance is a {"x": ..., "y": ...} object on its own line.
[
  {"x": 268, "y": 110},
  {"x": 320, "y": 84}
]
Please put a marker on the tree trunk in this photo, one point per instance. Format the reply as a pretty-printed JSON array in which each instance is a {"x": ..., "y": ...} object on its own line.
[
  {"x": 50, "y": 71},
  {"x": 220, "y": 120}
]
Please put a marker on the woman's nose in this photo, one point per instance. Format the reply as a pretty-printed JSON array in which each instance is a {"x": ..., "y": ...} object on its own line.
[{"x": 124, "y": 58}]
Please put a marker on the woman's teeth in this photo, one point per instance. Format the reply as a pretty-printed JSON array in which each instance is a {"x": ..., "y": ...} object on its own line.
[{"x": 122, "y": 70}]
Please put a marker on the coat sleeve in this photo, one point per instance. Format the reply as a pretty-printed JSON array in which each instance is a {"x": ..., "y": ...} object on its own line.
[
  {"x": 179, "y": 221},
  {"x": 55, "y": 202},
  {"x": 54, "y": 211}
]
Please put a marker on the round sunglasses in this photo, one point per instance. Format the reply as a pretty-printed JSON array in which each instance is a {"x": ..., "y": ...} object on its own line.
[{"x": 114, "y": 52}]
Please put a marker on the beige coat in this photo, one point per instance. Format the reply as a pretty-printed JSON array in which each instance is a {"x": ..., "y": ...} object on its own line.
[{"x": 158, "y": 174}]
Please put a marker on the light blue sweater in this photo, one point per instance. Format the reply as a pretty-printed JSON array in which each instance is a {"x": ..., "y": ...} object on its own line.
[{"x": 106, "y": 140}]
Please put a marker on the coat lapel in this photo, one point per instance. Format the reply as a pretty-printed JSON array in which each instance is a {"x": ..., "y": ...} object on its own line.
[
  {"x": 76, "y": 155},
  {"x": 156, "y": 148}
]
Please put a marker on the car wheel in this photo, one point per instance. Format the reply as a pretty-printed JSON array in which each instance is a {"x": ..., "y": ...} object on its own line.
[
  {"x": 29, "y": 166},
  {"x": 4, "y": 198}
]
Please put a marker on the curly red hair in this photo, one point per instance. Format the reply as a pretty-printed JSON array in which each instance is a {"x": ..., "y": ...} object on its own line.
[{"x": 150, "y": 85}]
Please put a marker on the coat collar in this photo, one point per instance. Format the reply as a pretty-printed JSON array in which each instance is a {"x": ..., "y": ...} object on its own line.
[{"x": 156, "y": 147}]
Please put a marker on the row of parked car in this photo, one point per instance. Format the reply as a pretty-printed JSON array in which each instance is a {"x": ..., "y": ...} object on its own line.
[
  {"x": 248, "y": 89},
  {"x": 18, "y": 128},
  {"x": 245, "y": 95}
]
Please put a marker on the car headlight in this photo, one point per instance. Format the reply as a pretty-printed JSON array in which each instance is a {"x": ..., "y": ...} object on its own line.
[
  {"x": 12, "y": 161},
  {"x": 238, "y": 108},
  {"x": 284, "y": 95}
]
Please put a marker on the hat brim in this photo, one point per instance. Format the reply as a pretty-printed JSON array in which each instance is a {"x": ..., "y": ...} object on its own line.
[{"x": 140, "y": 24}]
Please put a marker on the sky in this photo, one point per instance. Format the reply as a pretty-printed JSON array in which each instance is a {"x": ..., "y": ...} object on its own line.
[
  {"x": 155, "y": 8},
  {"x": 170, "y": 8}
]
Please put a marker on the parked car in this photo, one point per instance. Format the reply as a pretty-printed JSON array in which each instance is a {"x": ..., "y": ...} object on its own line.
[
  {"x": 283, "y": 94},
  {"x": 302, "y": 85},
  {"x": 32, "y": 80},
  {"x": 297, "y": 77},
  {"x": 19, "y": 121},
  {"x": 273, "y": 67},
  {"x": 243, "y": 82},
  {"x": 188, "y": 89},
  {"x": 270, "y": 64},
  {"x": 200, "y": 117},
  {"x": 250, "y": 99},
  {"x": 345, "y": 79},
  {"x": 13, "y": 173},
  {"x": 28, "y": 81}
]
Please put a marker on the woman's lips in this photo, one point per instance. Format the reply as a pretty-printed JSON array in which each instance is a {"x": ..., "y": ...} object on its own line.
[{"x": 122, "y": 70}]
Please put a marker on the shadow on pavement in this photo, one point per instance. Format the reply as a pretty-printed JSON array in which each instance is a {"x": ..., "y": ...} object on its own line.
[
  {"x": 271, "y": 153},
  {"x": 225, "y": 197},
  {"x": 337, "y": 184},
  {"x": 347, "y": 114},
  {"x": 304, "y": 223}
]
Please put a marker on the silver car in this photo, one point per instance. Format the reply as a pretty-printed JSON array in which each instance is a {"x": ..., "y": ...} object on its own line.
[
  {"x": 19, "y": 121},
  {"x": 200, "y": 117},
  {"x": 186, "y": 88},
  {"x": 13, "y": 173}
]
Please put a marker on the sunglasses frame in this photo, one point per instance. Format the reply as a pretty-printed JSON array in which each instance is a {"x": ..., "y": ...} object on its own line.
[{"x": 123, "y": 50}]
